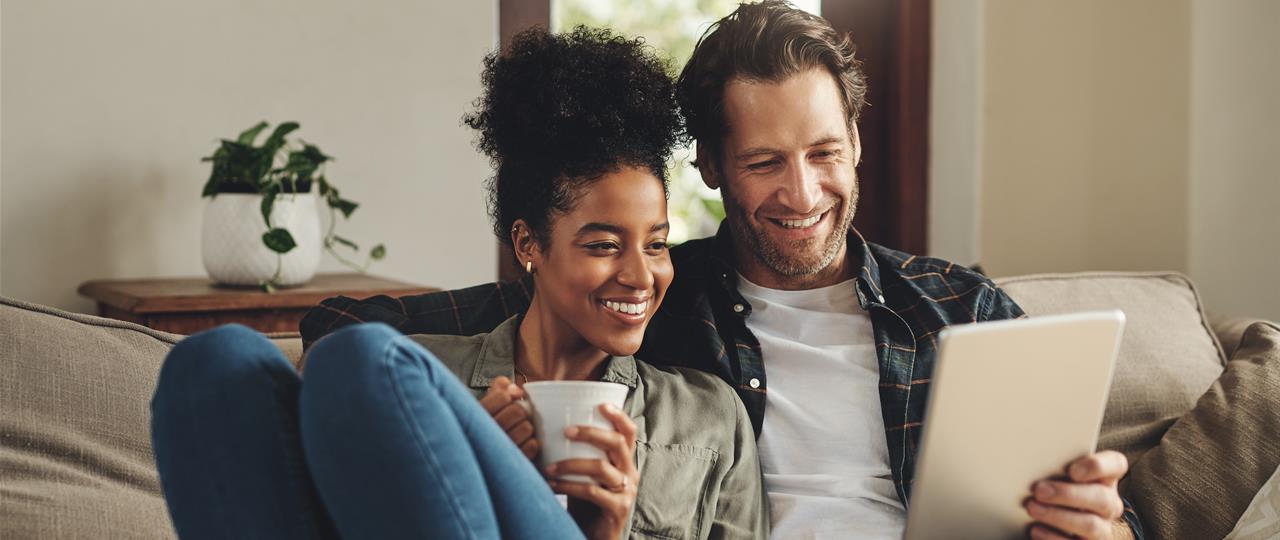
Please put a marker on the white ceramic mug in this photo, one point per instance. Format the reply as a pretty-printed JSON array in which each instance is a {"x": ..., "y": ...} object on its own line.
[{"x": 557, "y": 405}]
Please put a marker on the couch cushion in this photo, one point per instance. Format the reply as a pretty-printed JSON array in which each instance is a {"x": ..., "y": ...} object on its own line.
[
  {"x": 75, "y": 444},
  {"x": 1199, "y": 480},
  {"x": 1168, "y": 355}
]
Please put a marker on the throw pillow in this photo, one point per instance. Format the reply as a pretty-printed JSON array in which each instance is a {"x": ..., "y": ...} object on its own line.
[{"x": 1202, "y": 476}]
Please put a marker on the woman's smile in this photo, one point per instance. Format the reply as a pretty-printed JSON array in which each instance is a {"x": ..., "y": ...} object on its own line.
[{"x": 632, "y": 310}]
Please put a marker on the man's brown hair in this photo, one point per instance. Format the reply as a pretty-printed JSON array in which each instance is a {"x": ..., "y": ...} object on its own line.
[{"x": 769, "y": 41}]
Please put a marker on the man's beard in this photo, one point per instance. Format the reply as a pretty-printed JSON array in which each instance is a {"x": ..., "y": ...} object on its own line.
[{"x": 773, "y": 254}]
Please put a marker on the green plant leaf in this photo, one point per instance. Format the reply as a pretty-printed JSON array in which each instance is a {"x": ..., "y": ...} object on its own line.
[
  {"x": 276, "y": 140},
  {"x": 279, "y": 240},
  {"x": 344, "y": 206},
  {"x": 300, "y": 165},
  {"x": 210, "y": 187},
  {"x": 346, "y": 242},
  {"x": 267, "y": 286},
  {"x": 378, "y": 252},
  {"x": 247, "y": 136},
  {"x": 314, "y": 154},
  {"x": 324, "y": 185},
  {"x": 269, "y": 201}
]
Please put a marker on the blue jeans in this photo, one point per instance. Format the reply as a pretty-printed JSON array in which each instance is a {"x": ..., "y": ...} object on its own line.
[{"x": 381, "y": 441}]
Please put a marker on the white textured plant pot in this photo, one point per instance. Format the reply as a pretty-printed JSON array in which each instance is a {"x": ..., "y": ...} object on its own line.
[{"x": 232, "y": 239}]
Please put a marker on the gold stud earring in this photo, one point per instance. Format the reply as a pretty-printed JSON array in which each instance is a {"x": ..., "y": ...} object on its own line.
[{"x": 528, "y": 266}]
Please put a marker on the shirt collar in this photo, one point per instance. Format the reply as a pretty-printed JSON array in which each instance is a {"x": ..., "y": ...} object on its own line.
[
  {"x": 498, "y": 358},
  {"x": 868, "y": 280}
]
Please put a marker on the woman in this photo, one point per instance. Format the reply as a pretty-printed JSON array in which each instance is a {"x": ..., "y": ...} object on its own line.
[{"x": 383, "y": 440}]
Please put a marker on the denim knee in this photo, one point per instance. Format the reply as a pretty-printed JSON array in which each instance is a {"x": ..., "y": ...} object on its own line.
[
  {"x": 231, "y": 354},
  {"x": 350, "y": 354}
]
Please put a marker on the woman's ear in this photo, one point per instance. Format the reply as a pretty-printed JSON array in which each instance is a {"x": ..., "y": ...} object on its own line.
[
  {"x": 707, "y": 168},
  {"x": 528, "y": 251}
]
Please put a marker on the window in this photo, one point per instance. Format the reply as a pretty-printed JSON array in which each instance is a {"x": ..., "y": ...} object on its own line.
[{"x": 673, "y": 28}]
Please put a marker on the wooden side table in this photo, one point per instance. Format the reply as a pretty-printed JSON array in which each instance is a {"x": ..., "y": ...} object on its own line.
[{"x": 189, "y": 305}]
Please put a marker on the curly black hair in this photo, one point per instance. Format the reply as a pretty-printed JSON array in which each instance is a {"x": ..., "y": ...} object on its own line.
[{"x": 561, "y": 110}]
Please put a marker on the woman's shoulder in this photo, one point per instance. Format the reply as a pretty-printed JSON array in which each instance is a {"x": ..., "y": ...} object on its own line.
[
  {"x": 464, "y": 351},
  {"x": 678, "y": 388},
  {"x": 459, "y": 353}
]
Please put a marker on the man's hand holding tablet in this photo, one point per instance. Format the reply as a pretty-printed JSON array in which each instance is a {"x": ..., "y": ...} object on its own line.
[{"x": 1084, "y": 504}]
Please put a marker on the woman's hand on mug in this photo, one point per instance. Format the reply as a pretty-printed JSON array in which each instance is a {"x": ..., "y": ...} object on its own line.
[
  {"x": 616, "y": 480},
  {"x": 503, "y": 403}
]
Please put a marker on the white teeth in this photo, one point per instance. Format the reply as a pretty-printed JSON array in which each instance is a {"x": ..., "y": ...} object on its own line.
[
  {"x": 630, "y": 309},
  {"x": 799, "y": 223}
]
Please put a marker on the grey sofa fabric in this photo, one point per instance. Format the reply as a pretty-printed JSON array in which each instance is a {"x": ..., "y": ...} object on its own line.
[{"x": 75, "y": 444}]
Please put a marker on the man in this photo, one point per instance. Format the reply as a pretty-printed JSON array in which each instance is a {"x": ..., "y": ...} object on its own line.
[{"x": 847, "y": 329}]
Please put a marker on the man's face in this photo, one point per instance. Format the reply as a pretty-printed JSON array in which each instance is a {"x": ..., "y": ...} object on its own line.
[{"x": 787, "y": 175}]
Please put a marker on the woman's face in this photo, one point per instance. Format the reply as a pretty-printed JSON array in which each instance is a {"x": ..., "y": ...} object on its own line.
[{"x": 607, "y": 267}]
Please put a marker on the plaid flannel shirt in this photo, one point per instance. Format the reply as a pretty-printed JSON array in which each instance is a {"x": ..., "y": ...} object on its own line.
[{"x": 702, "y": 324}]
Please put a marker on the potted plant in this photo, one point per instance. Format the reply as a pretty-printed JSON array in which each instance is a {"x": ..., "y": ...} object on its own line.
[{"x": 261, "y": 225}]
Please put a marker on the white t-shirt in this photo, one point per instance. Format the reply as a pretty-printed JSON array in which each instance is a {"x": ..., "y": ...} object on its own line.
[{"x": 822, "y": 448}]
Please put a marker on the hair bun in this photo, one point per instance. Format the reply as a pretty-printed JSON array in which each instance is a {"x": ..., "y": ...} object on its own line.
[{"x": 574, "y": 104}]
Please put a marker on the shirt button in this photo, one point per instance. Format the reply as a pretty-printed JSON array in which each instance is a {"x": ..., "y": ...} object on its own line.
[
  {"x": 880, "y": 297},
  {"x": 738, "y": 308},
  {"x": 754, "y": 383}
]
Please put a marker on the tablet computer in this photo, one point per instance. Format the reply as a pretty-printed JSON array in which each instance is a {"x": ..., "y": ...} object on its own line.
[{"x": 1012, "y": 402}]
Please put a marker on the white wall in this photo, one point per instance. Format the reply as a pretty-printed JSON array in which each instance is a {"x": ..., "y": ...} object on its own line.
[
  {"x": 1235, "y": 155},
  {"x": 956, "y": 130},
  {"x": 109, "y": 106},
  {"x": 1097, "y": 135},
  {"x": 1085, "y": 136}
]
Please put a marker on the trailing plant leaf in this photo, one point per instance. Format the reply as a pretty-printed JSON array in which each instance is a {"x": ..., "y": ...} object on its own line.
[
  {"x": 344, "y": 206},
  {"x": 378, "y": 252},
  {"x": 346, "y": 242},
  {"x": 279, "y": 240},
  {"x": 268, "y": 202},
  {"x": 324, "y": 185},
  {"x": 247, "y": 136}
]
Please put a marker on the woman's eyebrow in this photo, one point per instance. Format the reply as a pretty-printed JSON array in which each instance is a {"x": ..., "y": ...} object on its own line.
[{"x": 597, "y": 226}]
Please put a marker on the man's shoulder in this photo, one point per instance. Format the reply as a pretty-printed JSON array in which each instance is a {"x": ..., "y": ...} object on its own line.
[
  {"x": 693, "y": 254},
  {"x": 466, "y": 311},
  {"x": 910, "y": 279},
  {"x": 911, "y": 267}
]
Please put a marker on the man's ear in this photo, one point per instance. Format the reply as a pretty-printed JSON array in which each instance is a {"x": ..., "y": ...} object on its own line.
[
  {"x": 525, "y": 244},
  {"x": 707, "y": 168}
]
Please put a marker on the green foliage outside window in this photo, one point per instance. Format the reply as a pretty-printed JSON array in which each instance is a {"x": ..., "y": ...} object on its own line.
[{"x": 673, "y": 28}]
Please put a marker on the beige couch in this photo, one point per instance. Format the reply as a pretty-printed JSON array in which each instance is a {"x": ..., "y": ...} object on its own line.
[{"x": 75, "y": 453}]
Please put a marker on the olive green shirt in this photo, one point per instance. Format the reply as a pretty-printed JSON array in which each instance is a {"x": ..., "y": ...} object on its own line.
[{"x": 695, "y": 447}]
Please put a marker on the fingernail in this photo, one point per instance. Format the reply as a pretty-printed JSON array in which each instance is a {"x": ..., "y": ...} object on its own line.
[
  {"x": 571, "y": 431},
  {"x": 1044, "y": 490},
  {"x": 1033, "y": 508}
]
